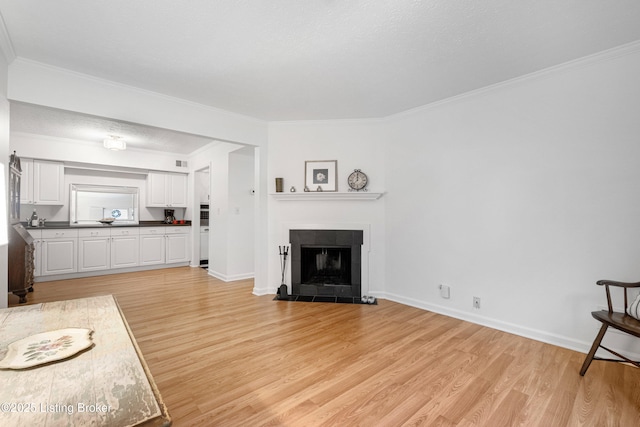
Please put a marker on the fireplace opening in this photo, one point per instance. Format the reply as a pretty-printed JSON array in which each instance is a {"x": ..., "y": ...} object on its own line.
[{"x": 326, "y": 266}]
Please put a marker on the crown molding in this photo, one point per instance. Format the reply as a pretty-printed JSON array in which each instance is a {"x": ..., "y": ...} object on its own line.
[
  {"x": 344, "y": 122},
  {"x": 606, "y": 55},
  {"x": 6, "y": 46},
  {"x": 585, "y": 61}
]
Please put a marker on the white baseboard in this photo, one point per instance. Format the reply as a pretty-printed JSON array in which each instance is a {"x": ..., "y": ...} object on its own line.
[
  {"x": 82, "y": 274},
  {"x": 232, "y": 277},
  {"x": 263, "y": 291},
  {"x": 535, "y": 334}
]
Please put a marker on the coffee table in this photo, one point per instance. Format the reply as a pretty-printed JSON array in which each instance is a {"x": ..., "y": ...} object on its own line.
[{"x": 108, "y": 384}]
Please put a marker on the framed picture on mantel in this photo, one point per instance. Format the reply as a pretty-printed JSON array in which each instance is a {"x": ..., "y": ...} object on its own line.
[{"x": 321, "y": 175}]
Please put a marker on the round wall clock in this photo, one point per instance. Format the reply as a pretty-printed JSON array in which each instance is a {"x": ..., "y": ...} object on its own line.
[{"x": 357, "y": 180}]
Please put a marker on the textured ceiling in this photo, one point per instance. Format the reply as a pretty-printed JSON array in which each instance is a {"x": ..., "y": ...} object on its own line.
[{"x": 315, "y": 59}]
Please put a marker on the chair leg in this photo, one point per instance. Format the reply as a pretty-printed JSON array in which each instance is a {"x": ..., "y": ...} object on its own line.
[{"x": 594, "y": 348}]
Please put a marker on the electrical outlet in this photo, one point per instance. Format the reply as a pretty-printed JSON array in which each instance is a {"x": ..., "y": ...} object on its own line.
[
  {"x": 476, "y": 302},
  {"x": 444, "y": 291}
]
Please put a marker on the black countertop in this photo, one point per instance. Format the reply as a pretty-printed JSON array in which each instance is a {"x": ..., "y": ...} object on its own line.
[{"x": 65, "y": 224}]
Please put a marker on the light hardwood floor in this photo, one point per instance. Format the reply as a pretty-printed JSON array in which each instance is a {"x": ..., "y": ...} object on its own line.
[{"x": 224, "y": 357}]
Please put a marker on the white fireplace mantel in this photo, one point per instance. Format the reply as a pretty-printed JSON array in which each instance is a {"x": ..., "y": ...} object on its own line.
[{"x": 326, "y": 195}]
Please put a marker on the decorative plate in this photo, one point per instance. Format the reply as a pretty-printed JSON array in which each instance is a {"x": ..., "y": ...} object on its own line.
[{"x": 46, "y": 347}]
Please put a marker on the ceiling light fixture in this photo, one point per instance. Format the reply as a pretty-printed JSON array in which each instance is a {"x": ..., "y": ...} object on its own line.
[{"x": 115, "y": 143}]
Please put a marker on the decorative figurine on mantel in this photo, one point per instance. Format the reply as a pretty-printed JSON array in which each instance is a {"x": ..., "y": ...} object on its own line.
[{"x": 292, "y": 189}]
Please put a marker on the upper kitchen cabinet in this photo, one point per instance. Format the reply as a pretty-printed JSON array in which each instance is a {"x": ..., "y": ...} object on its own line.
[
  {"x": 167, "y": 190},
  {"x": 42, "y": 182}
]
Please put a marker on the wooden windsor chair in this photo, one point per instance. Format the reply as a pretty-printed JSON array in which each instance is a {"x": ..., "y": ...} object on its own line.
[{"x": 609, "y": 318}]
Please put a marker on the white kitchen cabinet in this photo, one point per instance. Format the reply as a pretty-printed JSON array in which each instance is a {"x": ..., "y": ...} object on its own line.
[
  {"x": 42, "y": 182},
  {"x": 94, "y": 249},
  {"x": 177, "y": 184},
  {"x": 166, "y": 190},
  {"x": 66, "y": 251},
  {"x": 164, "y": 245},
  {"x": 59, "y": 252},
  {"x": 177, "y": 248},
  {"x": 156, "y": 189},
  {"x": 152, "y": 245},
  {"x": 26, "y": 181},
  {"x": 125, "y": 247}
]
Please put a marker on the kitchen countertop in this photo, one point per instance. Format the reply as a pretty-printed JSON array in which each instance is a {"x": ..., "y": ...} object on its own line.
[{"x": 65, "y": 224}]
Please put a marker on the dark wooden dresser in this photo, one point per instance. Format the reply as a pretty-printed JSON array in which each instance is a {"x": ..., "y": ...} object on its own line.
[{"x": 21, "y": 261}]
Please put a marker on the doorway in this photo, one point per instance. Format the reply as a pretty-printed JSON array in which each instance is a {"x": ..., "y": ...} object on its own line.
[{"x": 202, "y": 191}]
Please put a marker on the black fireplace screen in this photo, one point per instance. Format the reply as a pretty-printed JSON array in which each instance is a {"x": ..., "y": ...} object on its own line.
[{"x": 326, "y": 265}]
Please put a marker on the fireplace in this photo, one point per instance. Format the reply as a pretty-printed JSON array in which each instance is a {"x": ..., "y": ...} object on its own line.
[{"x": 326, "y": 262}]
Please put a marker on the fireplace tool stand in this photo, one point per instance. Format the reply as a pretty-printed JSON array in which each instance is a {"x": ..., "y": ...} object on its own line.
[{"x": 282, "y": 291}]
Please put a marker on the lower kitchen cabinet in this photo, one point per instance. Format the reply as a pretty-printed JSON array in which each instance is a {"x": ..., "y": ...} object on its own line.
[
  {"x": 59, "y": 252},
  {"x": 103, "y": 249},
  {"x": 152, "y": 246},
  {"x": 125, "y": 247},
  {"x": 164, "y": 245},
  {"x": 94, "y": 249},
  {"x": 86, "y": 250},
  {"x": 178, "y": 248}
]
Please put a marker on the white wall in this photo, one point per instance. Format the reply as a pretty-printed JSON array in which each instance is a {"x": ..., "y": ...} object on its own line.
[
  {"x": 231, "y": 212},
  {"x": 524, "y": 194},
  {"x": 241, "y": 213},
  {"x": 355, "y": 145},
  {"x": 219, "y": 213}
]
